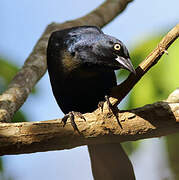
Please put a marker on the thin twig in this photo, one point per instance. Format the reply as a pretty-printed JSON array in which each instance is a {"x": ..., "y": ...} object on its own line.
[{"x": 120, "y": 91}]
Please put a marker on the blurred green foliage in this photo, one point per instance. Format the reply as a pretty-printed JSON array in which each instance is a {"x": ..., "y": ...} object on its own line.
[
  {"x": 156, "y": 85},
  {"x": 131, "y": 147},
  {"x": 172, "y": 145},
  {"x": 161, "y": 80},
  {"x": 7, "y": 72}
]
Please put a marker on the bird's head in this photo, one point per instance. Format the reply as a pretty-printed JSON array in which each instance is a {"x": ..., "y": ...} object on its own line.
[{"x": 90, "y": 47}]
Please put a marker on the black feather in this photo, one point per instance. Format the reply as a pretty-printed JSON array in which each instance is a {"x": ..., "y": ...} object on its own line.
[{"x": 81, "y": 63}]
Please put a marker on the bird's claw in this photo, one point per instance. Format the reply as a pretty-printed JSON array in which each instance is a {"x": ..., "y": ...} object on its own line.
[
  {"x": 101, "y": 104},
  {"x": 79, "y": 115},
  {"x": 110, "y": 108},
  {"x": 64, "y": 119},
  {"x": 71, "y": 115},
  {"x": 109, "y": 104}
]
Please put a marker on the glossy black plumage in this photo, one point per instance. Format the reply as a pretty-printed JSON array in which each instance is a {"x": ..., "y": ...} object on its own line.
[{"x": 81, "y": 63}]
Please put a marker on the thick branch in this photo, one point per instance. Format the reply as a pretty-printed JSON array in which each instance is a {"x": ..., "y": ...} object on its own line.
[
  {"x": 35, "y": 66},
  {"x": 154, "y": 120}
]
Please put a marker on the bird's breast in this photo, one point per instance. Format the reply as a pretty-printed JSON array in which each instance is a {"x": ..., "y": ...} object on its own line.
[{"x": 83, "y": 93}]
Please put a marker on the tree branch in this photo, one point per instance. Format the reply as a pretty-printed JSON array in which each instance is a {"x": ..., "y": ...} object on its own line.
[
  {"x": 35, "y": 65},
  {"x": 158, "y": 119},
  {"x": 149, "y": 121},
  {"x": 120, "y": 91}
]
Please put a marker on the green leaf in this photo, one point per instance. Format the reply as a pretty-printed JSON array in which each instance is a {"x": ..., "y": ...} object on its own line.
[
  {"x": 160, "y": 80},
  {"x": 19, "y": 117},
  {"x": 7, "y": 70}
]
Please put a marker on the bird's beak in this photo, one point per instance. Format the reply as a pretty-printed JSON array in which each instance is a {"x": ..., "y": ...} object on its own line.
[{"x": 125, "y": 63}]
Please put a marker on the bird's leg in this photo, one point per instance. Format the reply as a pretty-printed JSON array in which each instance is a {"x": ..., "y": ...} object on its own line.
[
  {"x": 72, "y": 115},
  {"x": 64, "y": 119},
  {"x": 101, "y": 104},
  {"x": 111, "y": 109},
  {"x": 79, "y": 115}
]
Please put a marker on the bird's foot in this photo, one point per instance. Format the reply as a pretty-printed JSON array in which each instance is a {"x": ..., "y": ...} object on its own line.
[
  {"x": 71, "y": 115},
  {"x": 111, "y": 109},
  {"x": 101, "y": 104}
]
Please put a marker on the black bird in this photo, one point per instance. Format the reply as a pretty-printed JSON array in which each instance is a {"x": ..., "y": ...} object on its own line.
[{"x": 81, "y": 63}]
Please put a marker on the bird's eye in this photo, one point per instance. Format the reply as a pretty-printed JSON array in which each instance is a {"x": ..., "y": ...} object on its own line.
[{"x": 117, "y": 47}]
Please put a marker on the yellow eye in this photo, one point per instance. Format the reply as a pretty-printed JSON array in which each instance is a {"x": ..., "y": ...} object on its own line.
[{"x": 117, "y": 47}]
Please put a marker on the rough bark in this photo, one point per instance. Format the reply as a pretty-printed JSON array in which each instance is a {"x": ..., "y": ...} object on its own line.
[{"x": 155, "y": 120}]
